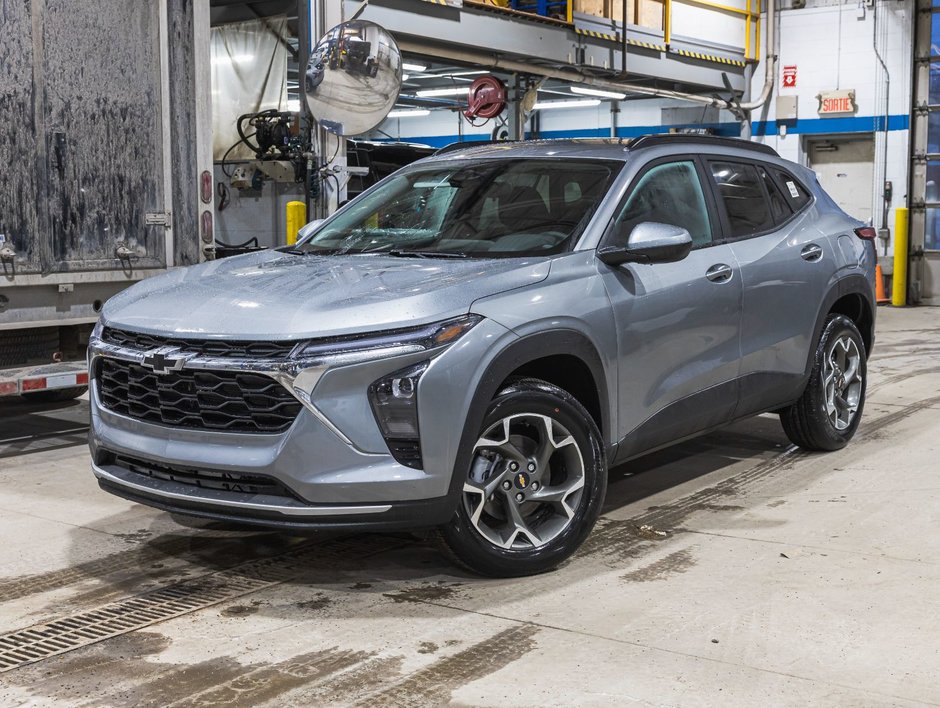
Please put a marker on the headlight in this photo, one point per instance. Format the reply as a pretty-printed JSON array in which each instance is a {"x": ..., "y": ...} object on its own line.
[{"x": 414, "y": 338}]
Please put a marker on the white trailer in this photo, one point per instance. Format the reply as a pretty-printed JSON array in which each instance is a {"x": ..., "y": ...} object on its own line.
[{"x": 105, "y": 169}]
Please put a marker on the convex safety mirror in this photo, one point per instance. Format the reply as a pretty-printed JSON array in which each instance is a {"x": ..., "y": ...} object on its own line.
[
  {"x": 353, "y": 77},
  {"x": 649, "y": 242}
]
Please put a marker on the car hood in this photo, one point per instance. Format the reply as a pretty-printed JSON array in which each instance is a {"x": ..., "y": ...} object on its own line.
[{"x": 274, "y": 295}]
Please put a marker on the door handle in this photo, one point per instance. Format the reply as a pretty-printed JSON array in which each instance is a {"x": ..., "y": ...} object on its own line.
[
  {"x": 719, "y": 273},
  {"x": 811, "y": 253}
]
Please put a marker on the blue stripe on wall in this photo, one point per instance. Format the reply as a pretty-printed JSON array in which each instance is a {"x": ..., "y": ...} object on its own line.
[
  {"x": 844, "y": 124},
  {"x": 808, "y": 126}
]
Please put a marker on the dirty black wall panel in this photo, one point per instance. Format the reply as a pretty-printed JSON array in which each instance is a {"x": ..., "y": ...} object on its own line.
[
  {"x": 19, "y": 215},
  {"x": 103, "y": 131},
  {"x": 183, "y": 132}
]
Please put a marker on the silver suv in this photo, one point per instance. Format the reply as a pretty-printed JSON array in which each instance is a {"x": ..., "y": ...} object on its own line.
[{"x": 472, "y": 342}]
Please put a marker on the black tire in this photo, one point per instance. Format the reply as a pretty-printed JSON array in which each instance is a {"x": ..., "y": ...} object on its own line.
[
  {"x": 806, "y": 422},
  {"x": 470, "y": 548},
  {"x": 55, "y": 395}
]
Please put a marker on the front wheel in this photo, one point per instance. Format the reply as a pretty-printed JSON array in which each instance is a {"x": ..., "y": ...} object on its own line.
[
  {"x": 828, "y": 413},
  {"x": 534, "y": 484}
]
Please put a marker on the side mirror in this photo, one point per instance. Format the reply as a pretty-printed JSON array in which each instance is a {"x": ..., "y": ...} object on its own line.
[{"x": 649, "y": 242}]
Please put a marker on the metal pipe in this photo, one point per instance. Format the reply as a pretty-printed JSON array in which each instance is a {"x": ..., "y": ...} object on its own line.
[
  {"x": 884, "y": 67},
  {"x": 770, "y": 62},
  {"x": 623, "y": 38}
]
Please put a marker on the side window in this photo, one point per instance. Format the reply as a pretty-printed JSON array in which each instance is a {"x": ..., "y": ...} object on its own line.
[
  {"x": 796, "y": 195},
  {"x": 779, "y": 209},
  {"x": 741, "y": 192},
  {"x": 667, "y": 194}
]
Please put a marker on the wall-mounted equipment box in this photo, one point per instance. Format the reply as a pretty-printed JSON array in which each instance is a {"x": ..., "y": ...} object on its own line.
[{"x": 786, "y": 108}]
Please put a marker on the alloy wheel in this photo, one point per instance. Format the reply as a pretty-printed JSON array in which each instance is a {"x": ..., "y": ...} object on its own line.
[
  {"x": 525, "y": 483},
  {"x": 842, "y": 381}
]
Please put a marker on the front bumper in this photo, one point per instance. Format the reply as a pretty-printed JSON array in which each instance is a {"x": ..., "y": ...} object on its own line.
[
  {"x": 332, "y": 459},
  {"x": 177, "y": 499}
]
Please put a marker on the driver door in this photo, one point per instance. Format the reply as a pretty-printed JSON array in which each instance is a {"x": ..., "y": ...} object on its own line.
[{"x": 678, "y": 324}]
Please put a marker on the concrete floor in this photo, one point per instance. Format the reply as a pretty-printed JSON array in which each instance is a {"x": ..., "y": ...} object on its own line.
[{"x": 732, "y": 570}]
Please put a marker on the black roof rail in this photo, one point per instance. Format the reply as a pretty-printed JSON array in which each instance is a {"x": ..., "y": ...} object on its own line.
[
  {"x": 462, "y": 144},
  {"x": 691, "y": 139}
]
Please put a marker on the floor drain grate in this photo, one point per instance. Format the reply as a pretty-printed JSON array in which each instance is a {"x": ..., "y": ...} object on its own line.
[{"x": 27, "y": 646}]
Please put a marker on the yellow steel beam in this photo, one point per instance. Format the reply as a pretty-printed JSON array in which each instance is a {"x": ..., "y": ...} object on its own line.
[
  {"x": 757, "y": 34},
  {"x": 667, "y": 22},
  {"x": 747, "y": 32}
]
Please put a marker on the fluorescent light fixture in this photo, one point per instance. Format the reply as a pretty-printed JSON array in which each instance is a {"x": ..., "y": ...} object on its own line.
[
  {"x": 465, "y": 73},
  {"x": 414, "y": 67},
  {"x": 233, "y": 59},
  {"x": 430, "y": 93},
  {"x": 416, "y": 113},
  {"x": 405, "y": 77},
  {"x": 576, "y": 103},
  {"x": 597, "y": 92}
]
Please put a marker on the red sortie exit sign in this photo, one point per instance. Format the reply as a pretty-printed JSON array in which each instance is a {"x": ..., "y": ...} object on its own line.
[{"x": 839, "y": 102}]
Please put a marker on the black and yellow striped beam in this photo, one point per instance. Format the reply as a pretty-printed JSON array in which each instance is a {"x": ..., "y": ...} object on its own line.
[{"x": 710, "y": 57}]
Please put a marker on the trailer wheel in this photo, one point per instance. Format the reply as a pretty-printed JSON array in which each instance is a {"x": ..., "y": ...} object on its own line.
[{"x": 54, "y": 395}]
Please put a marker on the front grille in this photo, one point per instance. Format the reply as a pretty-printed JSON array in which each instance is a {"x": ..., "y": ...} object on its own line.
[
  {"x": 235, "y": 482},
  {"x": 224, "y": 348},
  {"x": 233, "y": 401}
]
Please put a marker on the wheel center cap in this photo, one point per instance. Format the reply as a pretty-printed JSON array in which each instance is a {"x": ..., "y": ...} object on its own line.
[{"x": 521, "y": 480}]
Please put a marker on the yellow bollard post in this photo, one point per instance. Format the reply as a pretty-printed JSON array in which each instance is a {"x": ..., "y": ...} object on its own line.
[
  {"x": 899, "y": 278},
  {"x": 296, "y": 217}
]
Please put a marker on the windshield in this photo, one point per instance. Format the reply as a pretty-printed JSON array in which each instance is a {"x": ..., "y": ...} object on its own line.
[{"x": 485, "y": 208}]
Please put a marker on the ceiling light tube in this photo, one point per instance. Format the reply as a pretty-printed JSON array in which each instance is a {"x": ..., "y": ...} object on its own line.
[
  {"x": 407, "y": 66},
  {"x": 576, "y": 103},
  {"x": 416, "y": 113},
  {"x": 430, "y": 93},
  {"x": 584, "y": 91}
]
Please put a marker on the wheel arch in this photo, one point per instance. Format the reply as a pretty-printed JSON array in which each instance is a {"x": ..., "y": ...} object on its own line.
[
  {"x": 853, "y": 297},
  {"x": 538, "y": 355}
]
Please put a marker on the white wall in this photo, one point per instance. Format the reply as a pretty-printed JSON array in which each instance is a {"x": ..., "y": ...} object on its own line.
[{"x": 831, "y": 43}]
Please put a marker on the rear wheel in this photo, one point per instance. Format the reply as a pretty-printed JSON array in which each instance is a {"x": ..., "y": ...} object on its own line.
[
  {"x": 828, "y": 413},
  {"x": 534, "y": 485}
]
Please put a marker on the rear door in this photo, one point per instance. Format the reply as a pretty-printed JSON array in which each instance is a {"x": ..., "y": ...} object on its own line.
[
  {"x": 103, "y": 136},
  {"x": 786, "y": 267},
  {"x": 678, "y": 324}
]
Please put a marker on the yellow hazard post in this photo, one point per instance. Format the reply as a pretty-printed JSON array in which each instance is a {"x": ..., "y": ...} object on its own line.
[
  {"x": 899, "y": 284},
  {"x": 296, "y": 217}
]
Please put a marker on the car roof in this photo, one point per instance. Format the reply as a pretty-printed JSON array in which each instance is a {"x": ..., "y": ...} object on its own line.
[{"x": 597, "y": 148}]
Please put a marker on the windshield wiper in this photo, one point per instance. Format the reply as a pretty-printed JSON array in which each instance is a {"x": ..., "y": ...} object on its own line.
[{"x": 423, "y": 254}]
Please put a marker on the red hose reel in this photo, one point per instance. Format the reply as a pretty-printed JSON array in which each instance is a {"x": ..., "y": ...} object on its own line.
[{"x": 486, "y": 98}]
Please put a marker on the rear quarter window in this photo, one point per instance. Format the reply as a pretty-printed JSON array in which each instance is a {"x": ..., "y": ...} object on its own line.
[{"x": 794, "y": 192}]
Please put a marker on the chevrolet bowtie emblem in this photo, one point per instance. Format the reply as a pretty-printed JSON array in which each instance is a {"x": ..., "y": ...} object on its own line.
[{"x": 164, "y": 360}]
